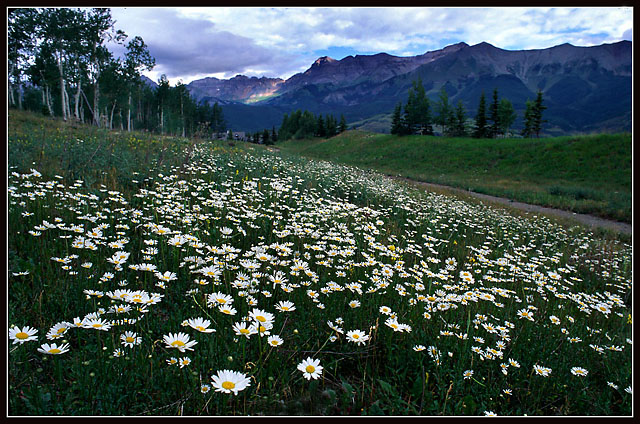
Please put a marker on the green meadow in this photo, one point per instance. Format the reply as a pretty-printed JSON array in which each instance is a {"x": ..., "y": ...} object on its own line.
[
  {"x": 588, "y": 174},
  {"x": 153, "y": 275}
]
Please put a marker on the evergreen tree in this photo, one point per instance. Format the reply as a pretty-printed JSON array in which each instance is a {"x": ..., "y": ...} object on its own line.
[
  {"x": 527, "y": 131},
  {"x": 397, "y": 123},
  {"x": 332, "y": 126},
  {"x": 423, "y": 111},
  {"x": 538, "y": 108},
  {"x": 265, "y": 137},
  {"x": 342, "y": 127},
  {"x": 274, "y": 135},
  {"x": 481, "y": 129},
  {"x": 494, "y": 116}
]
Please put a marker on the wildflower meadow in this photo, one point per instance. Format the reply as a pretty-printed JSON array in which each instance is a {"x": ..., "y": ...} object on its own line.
[{"x": 168, "y": 276}]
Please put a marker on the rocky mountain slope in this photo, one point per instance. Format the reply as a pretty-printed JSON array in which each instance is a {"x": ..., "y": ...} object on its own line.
[{"x": 586, "y": 89}]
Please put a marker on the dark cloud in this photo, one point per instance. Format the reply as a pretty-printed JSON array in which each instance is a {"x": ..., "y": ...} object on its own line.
[{"x": 185, "y": 47}]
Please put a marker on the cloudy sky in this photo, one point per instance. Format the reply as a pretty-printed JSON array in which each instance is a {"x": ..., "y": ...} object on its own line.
[{"x": 194, "y": 42}]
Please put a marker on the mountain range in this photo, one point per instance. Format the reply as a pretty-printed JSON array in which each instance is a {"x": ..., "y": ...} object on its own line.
[{"x": 585, "y": 89}]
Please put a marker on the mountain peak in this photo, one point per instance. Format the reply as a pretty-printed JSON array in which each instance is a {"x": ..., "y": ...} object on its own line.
[
  {"x": 322, "y": 60},
  {"x": 456, "y": 46}
]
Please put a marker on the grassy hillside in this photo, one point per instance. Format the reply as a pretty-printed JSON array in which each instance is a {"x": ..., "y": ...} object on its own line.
[
  {"x": 584, "y": 174},
  {"x": 141, "y": 268}
]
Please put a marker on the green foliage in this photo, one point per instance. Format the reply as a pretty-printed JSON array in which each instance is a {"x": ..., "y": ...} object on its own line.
[
  {"x": 74, "y": 76},
  {"x": 300, "y": 125},
  {"x": 416, "y": 118}
]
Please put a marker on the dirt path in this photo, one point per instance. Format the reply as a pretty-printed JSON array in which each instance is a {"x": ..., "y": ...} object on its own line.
[{"x": 589, "y": 220}]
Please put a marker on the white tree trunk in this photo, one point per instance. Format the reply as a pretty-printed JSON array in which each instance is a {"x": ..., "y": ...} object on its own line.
[{"x": 77, "y": 102}]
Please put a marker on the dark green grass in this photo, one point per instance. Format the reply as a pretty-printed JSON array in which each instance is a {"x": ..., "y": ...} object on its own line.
[{"x": 584, "y": 174}]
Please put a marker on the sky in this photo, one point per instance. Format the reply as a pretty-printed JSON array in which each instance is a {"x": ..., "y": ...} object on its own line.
[{"x": 196, "y": 42}]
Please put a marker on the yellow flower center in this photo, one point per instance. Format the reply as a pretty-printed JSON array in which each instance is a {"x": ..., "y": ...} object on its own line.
[
  {"x": 310, "y": 369},
  {"x": 228, "y": 385},
  {"x": 274, "y": 342},
  {"x": 179, "y": 343},
  {"x": 54, "y": 351},
  {"x": 285, "y": 308},
  {"x": 261, "y": 318},
  {"x": 96, "y": 325},
  {"x": 62, "y": 330},
  {"x": 262, "y": 329},
  {"x": 199, "y": 327},
  {"x": 355, "y": 336},
  {"x": 129, "y": 339},
  {"x": 22, "y": 335},
  {"x": 222, "y": 301},
  {"x": 244, "y": 331}
]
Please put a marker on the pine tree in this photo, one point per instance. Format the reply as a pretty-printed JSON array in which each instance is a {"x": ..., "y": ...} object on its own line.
[
  {"x": 481, "y": 119},
  {"x": 538, "y": 108},
  {"x": 332, "y": 126},
  {"x": 274, "y": 135},
  {"x": 397, "y": 123},
  {"x": 527, "y": 131},
  {"x": 342, "y": 127}
]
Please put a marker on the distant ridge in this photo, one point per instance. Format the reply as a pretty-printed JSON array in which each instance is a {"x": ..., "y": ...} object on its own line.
[{"x": 586, "y": 89}]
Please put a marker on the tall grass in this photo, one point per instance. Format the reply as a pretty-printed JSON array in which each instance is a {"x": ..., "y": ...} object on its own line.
[{"x": 439, "y": 287}]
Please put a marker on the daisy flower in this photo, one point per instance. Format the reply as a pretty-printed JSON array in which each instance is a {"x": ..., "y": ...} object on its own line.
[
  {"x": 357, "y": 336},
  {"x": 53, "y": 349},
  {"x": 227, "y": 310},
  {"x": 261, "y": 316},
  {"x": 200, "y": 324},
  {"x": 218, "y": 298},
  {"x": 21, "y": 335},
  {"x": 419, "y": 348},
  {"x": 130, "y": 338},
  {"x": 184, "y": 361},
  {"x": 180, "y": 341},
  {"x": 227, "y": 381},
  {"x": 275, "y": 340},
  {"x": 241, "y": 329},
  {"x": 172, "y": 361},
  {"x": 262, "y": 328},
  {"x": 285, "y": 306},
  {"x": 205, "y": 388},
  {"x": 543, "y": 371},
  {"x": 310, "y": 368},
  {"x": 354, "y": 303},
  {"x": 58, "y": 330},
  {"x": 118, "y": 353},
  {"x": 467, "y": 374},
  {"x": 97, "y": 323},
  {"x": 580, "y": 372}
]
